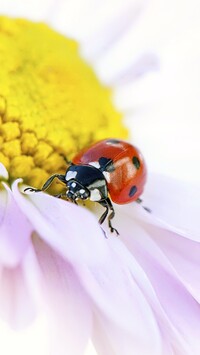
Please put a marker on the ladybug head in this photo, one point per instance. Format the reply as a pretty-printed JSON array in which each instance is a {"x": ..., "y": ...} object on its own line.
[
  {"x": 77, "y": 191},
  {"x": 85, "y": 181}
]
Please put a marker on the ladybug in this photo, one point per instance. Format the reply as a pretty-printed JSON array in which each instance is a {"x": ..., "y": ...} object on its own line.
[{"x": 109, "y": 170}]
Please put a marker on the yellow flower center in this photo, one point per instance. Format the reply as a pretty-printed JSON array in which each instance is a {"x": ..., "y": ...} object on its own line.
[{"x": 51, "y": 102}]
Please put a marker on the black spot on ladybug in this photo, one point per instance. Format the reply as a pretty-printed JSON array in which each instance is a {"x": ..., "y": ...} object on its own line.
[
  {"x": 113, "y": 141},
  {"x": 103, "y": 161},
  {"x": 106, "y": 164},
  {"x": 136, "y": 162},
  {"x": 132, "y": 191}
]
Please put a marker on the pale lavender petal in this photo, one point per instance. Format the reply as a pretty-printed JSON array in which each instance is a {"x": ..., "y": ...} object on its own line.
[
  {"x": 68, "y": 310},
  {"x": 124, "y": 302},
  {"x": 181, "y": 309},
  {"x": 69, "y": 229},
  {"x": 175, "y": 202},
  {"x": 15, "y": 230},
  {"x": 104, "y": 273},
  {"x": 17, "y": 304},
  {"x": 138, "y": 68},
  {"x": 99, "y": 42},
  {"x": 184, "y": 255},
  {"x": 179, "y": 239},
  {"x": 96, "y": 21}
]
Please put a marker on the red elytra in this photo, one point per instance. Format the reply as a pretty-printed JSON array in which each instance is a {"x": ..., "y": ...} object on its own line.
[{"x": 123, "y": 166}]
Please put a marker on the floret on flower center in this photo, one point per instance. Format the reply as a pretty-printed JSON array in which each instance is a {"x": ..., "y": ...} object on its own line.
[{"x": 51, "y": 102}]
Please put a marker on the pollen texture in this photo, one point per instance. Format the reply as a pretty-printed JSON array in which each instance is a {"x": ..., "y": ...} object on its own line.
[{"x": 51, "y": 102}]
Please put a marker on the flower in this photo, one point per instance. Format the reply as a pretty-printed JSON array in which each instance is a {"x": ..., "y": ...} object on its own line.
[{"x": 129, "y": 294}]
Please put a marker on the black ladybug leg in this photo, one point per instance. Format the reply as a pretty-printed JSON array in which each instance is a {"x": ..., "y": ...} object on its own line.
[
  {"x": 50, "y": 180},
  {"x": 31, "y": 189},
  {"x": 111, "y": 216},
  {"x": 47, "y": 183},
  {"x": 104, "y": 215},
  {"x": 108, "y": 205}
]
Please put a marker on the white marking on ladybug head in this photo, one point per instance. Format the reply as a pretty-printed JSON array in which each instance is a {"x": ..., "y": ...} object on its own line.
[
  {"x": 70, "y": 175},
  {"x": 107, "y": 176},
  {"x": 95, "y": 164},
  {"x": 73, "y": 184},
  {"x": 82, "y": 191},
  {"x": 95, "y": 195}
]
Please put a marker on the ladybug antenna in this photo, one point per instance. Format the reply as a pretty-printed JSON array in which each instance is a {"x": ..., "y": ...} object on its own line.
[
  {"x": 67, "y": 161},
  {"x": 140, "y": 201}
]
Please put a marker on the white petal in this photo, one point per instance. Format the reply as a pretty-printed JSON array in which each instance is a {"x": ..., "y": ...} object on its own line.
[
  {"x": 67, "y": 307},
  {"x": 17, "y": 303},
  {"x": 113, "y": 27},
  {"x": 103, "y": 272},
  {"x": 15, "y": 230},
  {"x": 184, "y": 255},
  {"x": 175, "y": 202},
  {"x": 69, "y": 229},
  {"x": 35, "y": 10},
  {"x": 181, "y": 326},
  {"x": 124, "y": 319}
]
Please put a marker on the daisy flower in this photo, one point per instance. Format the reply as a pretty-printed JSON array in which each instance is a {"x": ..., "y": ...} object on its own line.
[{"x": 63, "y": 285}]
